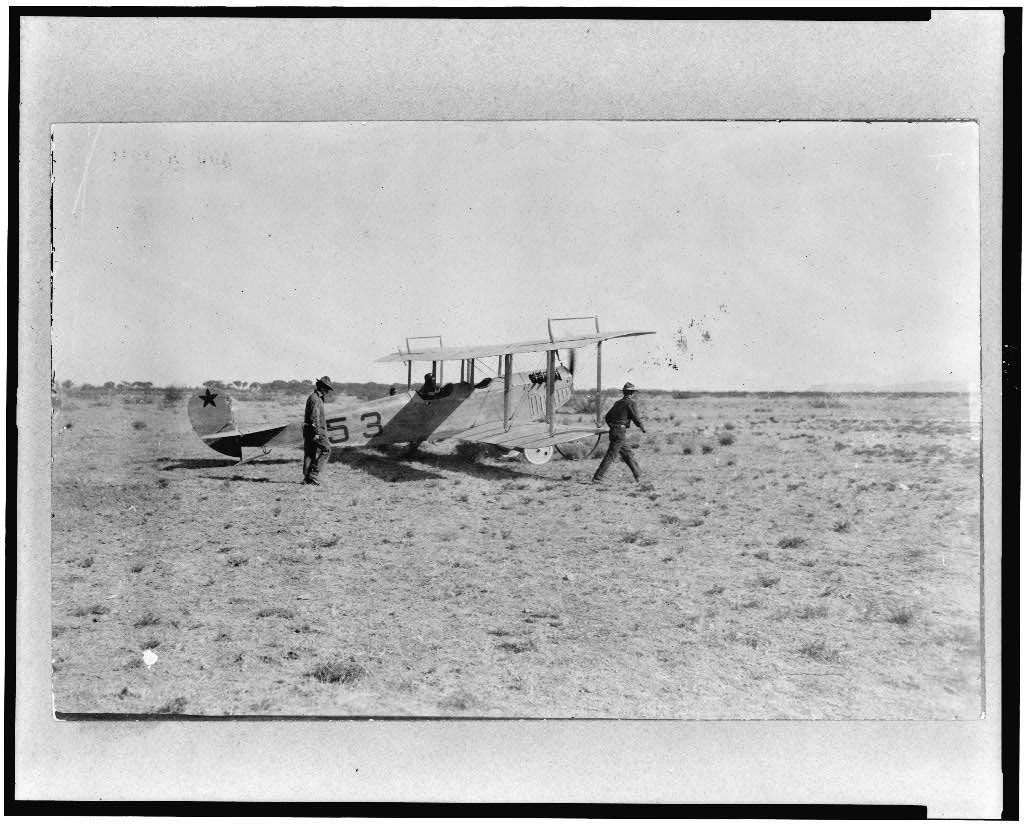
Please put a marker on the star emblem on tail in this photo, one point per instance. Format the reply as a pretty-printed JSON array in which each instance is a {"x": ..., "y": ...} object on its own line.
[{"x": 208, "y": 398}]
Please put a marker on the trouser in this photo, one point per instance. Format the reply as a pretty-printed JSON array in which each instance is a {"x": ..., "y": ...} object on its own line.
[
  {"x": 315, "y": 453},
  {"x": 617, "y": 447}
]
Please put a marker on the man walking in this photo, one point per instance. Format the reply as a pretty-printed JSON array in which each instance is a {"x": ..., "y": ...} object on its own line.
[
  {"x": 316, "y": 447},
  {"x": 618, "y": 418}
]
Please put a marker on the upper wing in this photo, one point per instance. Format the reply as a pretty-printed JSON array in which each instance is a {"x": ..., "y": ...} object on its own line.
[
  {"x": 460, "y": 353},
  {"x": 529, "y": 435}
]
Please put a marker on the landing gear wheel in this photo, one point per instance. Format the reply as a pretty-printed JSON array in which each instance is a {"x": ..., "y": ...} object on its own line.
[
  {"x": 538, "y": 455},
  {"x": 578, "y": 450}
]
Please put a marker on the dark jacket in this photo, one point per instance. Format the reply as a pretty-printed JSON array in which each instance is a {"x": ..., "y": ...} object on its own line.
[
  {"x": 623, "y": 412},
  {"x": 315, "y": 421}
]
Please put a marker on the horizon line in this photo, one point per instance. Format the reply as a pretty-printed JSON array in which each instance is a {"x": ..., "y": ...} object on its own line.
[{"x": 916, "y": 387}]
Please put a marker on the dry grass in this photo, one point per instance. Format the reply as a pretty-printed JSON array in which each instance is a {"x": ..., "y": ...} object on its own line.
[
  {"x": 820, "y": 651},
  {"x": 460, "y": 700},
  {"x": 91, "y": 610},
  {"x": 174, "y": 706},
  {"x": 275, "y": 612},
  {"x": 902, "y": 615},
  {"x": 439, "y": 586},
  {"x": 471, "y": 451},
  {"x": 524, "y": 646},
  {"x": 338, "y": 671}
]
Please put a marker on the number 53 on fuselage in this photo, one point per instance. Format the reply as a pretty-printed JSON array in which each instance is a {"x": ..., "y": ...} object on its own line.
[{"x": 509, "y": 409}]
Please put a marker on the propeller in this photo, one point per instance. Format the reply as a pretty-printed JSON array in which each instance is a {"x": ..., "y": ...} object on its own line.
[{"x": 570, "y": 362}]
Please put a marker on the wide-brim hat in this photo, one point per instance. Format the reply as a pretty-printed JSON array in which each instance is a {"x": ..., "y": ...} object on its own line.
[
  {"x": 628, "y": 387},
  {"x": 325, "y": 382}
]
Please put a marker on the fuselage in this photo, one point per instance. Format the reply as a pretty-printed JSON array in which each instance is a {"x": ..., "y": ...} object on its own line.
[
  {"x": 409, "y": 416},
  {"x": 404, "y": 417}
]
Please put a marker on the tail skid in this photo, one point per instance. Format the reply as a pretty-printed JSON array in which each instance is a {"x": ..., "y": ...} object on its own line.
[{"x": 263, "y": 454}]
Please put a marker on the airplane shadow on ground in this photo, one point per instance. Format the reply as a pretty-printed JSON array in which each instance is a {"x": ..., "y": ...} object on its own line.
[
  {"x": 254, "y": 480},
  {"x": 210, "y": 463},
  {"x": 458, "y": 464},
  {"x": 391, "y": 466},
  {"x": 385, "y": 467},
  {"x": 397, "y": 465}
]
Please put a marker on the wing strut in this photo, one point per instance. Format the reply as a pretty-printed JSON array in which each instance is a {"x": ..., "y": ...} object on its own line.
[
  {"x": 597, "y": 405},
  {"x": 549, "y": 394},
  {"x": 508, "y": 387}
]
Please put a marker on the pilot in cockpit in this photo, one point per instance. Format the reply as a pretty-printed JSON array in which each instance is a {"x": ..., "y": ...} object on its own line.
[{"x": 429, "y": 387}]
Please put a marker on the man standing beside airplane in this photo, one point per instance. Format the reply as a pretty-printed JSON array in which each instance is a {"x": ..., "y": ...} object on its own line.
[
  {"x": 618, "y": 419},
  {"x": 316, "y": 447}
]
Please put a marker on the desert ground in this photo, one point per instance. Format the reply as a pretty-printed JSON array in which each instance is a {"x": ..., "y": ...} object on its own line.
[{"x": 785, "y": 557}]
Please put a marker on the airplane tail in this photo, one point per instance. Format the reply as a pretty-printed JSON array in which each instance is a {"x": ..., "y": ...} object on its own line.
[{"x": 214, "y": 421}]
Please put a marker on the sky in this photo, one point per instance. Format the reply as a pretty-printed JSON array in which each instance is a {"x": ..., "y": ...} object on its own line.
[{"x": 765, "y": 255}]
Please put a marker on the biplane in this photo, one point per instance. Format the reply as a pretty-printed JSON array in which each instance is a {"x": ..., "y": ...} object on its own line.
[{"x": 507, "y": 409}]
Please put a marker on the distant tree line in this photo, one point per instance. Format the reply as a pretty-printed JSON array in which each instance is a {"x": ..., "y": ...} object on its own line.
[
  {"x": 584, "y": 399},
  {"x": 240, "y": 389},
  {"x": 364, "y": 389}
]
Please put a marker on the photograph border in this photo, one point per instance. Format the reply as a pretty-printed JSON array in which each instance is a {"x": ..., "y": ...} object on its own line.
[{"x": 280, "y": 66}]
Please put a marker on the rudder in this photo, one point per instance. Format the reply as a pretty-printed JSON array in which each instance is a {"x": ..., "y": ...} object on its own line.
[{"x": 214, "y": 421}]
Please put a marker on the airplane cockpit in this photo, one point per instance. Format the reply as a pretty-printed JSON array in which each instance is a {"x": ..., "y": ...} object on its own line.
[
  {"x": 540, "y": 377},
  {"x": 443, "y": 392},
  {"x": 429, "y": 389}
]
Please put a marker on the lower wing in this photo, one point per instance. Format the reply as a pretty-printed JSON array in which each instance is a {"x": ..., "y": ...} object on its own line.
[
  {"x": 528, "y": 436},
  {"x": 230, "y": 442},
  {"x": 286, "y": 434}
]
